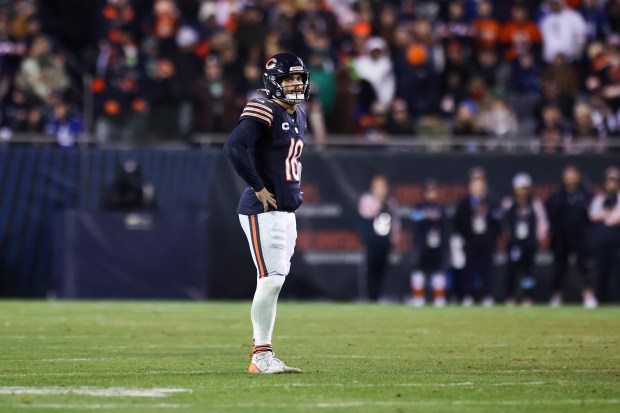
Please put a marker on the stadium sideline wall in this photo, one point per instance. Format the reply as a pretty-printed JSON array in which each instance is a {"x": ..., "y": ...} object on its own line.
[{"x": 37, "y": 183}]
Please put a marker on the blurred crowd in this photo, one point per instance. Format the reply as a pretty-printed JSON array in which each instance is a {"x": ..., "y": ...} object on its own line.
[{"x": 164, "y": 70}]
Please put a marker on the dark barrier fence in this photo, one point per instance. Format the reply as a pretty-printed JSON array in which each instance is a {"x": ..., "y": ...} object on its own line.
[{"x": 37, "y": 183}]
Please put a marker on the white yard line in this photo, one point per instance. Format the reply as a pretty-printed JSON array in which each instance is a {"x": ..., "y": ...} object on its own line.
[
  {"x": 421, "y": 403},
  {"x": 93, "y": 391},
  {"x": 109, "y": 406},
  {"x": 363, "y": 385},
  {"x": 106, "y": 374}
]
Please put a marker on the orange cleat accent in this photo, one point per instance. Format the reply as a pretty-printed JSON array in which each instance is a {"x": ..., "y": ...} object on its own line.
[{"x": 253, "y": 369}]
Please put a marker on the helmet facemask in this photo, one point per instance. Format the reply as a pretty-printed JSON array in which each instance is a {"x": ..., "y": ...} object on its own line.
[{"x": 293, "y": 97}]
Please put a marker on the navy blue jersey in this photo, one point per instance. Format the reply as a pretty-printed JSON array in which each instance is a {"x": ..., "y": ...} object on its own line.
[
  {"x": 431, "y": 226},
  {"x": 430, "y": 236},
  {"x": 264, "y": 149}
]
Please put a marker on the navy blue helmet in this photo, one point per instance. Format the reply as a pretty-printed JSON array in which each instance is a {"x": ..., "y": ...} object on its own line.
[{"x": 279, "y": 66}]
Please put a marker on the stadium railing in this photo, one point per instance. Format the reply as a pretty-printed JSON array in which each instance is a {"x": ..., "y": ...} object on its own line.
[{"x": 423, "y": 144}]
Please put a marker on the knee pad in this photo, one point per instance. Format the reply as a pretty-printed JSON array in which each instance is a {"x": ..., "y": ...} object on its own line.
[
  {"x": 278, "y": 243},
  {"x": 282, "y": 268}
]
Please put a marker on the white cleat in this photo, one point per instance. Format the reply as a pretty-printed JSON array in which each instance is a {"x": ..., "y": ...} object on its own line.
[
  {"x": 555, "y": 302},
  {"x": 590, "y": 302},
  {"x": 439, "y": 302},
  {"x": 416, "y": 302},
  {"x": 488, "y": 302},
  {"x": 468, "y": 301},
  {"x": 267, "y": 363}
]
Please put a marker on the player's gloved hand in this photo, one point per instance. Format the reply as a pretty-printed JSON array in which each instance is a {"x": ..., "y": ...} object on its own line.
[{"x": 266, "y": 198}]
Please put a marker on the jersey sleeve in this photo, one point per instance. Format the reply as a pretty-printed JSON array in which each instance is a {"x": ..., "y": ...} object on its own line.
[
  {"x": 258, "y": 110},
  {"x": 239, "y": 148}
]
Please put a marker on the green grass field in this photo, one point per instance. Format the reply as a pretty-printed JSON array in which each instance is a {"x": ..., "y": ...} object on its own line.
[{"x": 191, "y": 357}]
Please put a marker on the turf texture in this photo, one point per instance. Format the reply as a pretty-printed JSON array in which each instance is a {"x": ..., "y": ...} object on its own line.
[{"x": 192, "y": 356}]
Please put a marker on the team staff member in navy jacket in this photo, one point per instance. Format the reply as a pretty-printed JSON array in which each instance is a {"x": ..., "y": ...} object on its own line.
[
  {"x": 570, "y": 230},
  {"x": 477, "y": 221}
]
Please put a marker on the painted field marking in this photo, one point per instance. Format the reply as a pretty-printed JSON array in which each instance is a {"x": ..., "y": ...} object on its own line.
[
  {"x": 421, "y": 403},
  {"x": 108, "y": 374},
  {"x": 109, "y": 406},
  {"x": 364, "y": 385},
  {"x": 93, "y": 391}
]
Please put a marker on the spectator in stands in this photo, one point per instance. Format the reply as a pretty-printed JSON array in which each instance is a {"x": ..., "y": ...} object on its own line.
[
  {"x": 21, "y": 114},
  {"x": 477, "y": 222},
  {"x": 399, "y": 122},
  {"x": 216, "y": 105},
  {"x": 343, "y": 119},
  {"x": 454, "y": 80},
  {"x": 42, "y": 73},
  {"x": 416, "y": 67},
  {"x": 605, "y": 214},
  {"x": 520, "y": 36},
  {"x": 251, "y": 31},
  {"x": 12, "y": 50},
  {"x": 455, "y": 28},
  {"x": 477, "y": 90},
  {"x": 525, "y": 75},
  {"x": 379, "y": 229},
  {"x": 564, "y": 74},
  {"x": 375, "y": 67},
  {"x": 119, "y": 91},
  {"x": 466, "y": 127},
  {"x": 486, "y": 29},
  {"x": 584, "y": 134},
  {"x": 491, "y": 69},
  {"x": 604, "y": 119},
  {"x": 322, "y": 66},
  {"x": 24, "y": 12},
  {"x": 552, "y": 96},
  {"x": 526, "y": 226},
  {"x": 386, "y": 25},
  {"x": 597, "y": 23},
  {"x": 166, "y": 95},
  {"x": 496, "y": 118},
  {"x": 604, "y": 80},
  {"x": 570, "y": 230},
  {"x": 553, "y": 131},
  {"x": 64, "y": 124},
  {"x": 314, "y": 16},
  {"x": 612, "y": 9},
  {"x": 116, "y": 15},
  {"x": 432, "y": 126},
  {"x": 563, "y": 31},
  {"x": 252, "y": 80}
]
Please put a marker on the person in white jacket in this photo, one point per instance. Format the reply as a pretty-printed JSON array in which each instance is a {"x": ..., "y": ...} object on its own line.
[
  {"x": 564, "y": 31},
  {"x": 605, "y": 213},
  {"x": 375, "y": 66}
]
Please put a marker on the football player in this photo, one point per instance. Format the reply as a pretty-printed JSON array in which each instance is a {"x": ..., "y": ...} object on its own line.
[
  {"x": 430, "y": 245},
  {"x": 264, "y": 148}
]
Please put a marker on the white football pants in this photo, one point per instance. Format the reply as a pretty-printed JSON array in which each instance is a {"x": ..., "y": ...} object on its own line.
[{"x": 272, "y": 237}]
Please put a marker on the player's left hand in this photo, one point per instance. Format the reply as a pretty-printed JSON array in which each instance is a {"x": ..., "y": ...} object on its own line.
[{"x": 266, "y": 198}]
